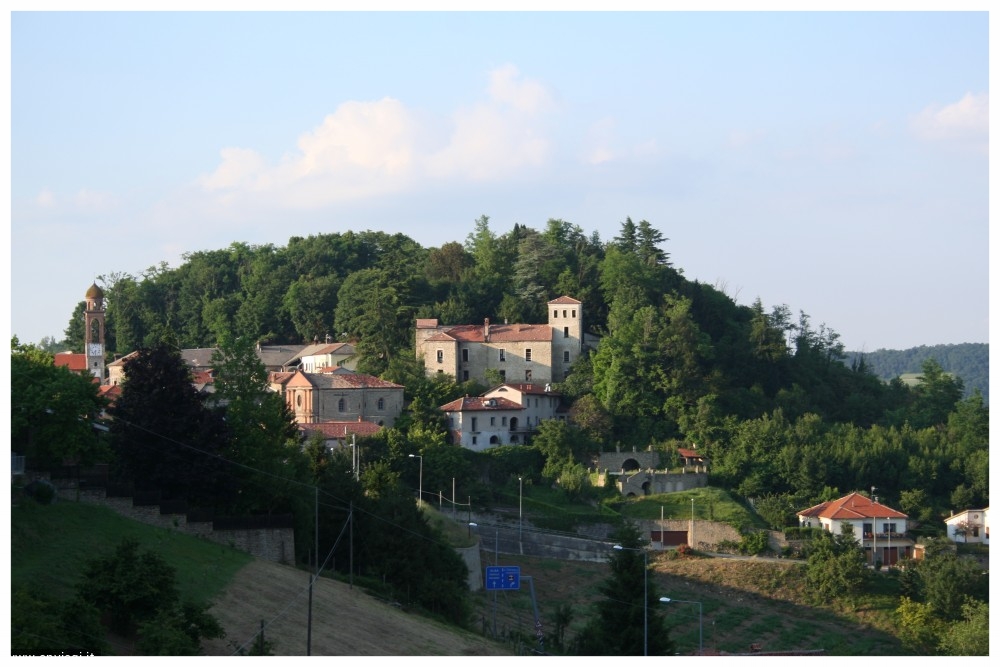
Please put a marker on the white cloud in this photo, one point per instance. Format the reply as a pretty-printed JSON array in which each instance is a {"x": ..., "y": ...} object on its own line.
[
  {"x": 365, "y": 149},
  {"x": 966, "y": 122},
  {"x": 240, "y": 168},
  {"x": 45, "y": 199}
]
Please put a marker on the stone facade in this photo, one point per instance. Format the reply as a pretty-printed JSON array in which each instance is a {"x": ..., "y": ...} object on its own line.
[
  {"x": 537, "y": 353},
  {"x": 341, "y": 396}
]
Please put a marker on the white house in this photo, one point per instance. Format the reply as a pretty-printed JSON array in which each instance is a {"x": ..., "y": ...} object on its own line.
[
  {"x": 969, "y": 526},
  {"x": 334, "y": 355},
  {"x": 506, "y": 415},
  {"x": 879, "y": 529},
  {"x": 478, "y": 423}
]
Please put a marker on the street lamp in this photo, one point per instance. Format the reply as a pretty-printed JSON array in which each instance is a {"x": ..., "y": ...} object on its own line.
[
  {"x": 520, "y": 505},
  {"x": 645, "y": 596},
  {"x": 691, "y": 535},
  {"x": 669, "y": 600},
  {"x": 420, "y": 490}
]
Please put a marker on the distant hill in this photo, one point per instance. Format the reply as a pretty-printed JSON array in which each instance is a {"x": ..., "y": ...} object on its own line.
[{"x": 968, "y": 361}]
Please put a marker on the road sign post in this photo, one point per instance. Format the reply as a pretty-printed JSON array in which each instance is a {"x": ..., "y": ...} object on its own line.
[{"x": 503, "y": 578}]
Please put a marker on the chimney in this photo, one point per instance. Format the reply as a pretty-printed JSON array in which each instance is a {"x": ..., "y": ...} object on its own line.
[{"x": 486, "y": 330}]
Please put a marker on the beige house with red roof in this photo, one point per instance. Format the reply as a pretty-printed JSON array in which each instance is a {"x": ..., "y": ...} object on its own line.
[
  {"x": 505, "y": 415},
  {"x": 339, "y": 396},
  {"x": 478, "y": 423},
  {"x": 530, "y": 353},
  {"x": 879, "y": 529}
]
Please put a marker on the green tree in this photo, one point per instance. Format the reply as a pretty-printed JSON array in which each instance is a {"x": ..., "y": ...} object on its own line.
[
  {"x": 971, "y": 634},
  {"x": 164, "y": 438},
  {"x": 129, "y": 585},
  {"x": 178, "y": 630},
  {"x": 264, "y": 440},
  {"x": 835, "y": 569},
  {"x": 628, "y": 620},
  {"x": 949, "y": 581},
  {"x": 919, "y": 628},
  {"x": 371, "y": 310},
  {"x": 42, "y": 626},
  {"x": 52, "y": 411}
]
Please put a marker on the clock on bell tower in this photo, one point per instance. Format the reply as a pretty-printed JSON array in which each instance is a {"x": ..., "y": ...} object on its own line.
[{"x": 93, "y": 321}]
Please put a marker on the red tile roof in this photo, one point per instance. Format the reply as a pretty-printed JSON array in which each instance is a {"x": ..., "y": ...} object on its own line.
[
  {"x": 852, "y": 507},
  {"x": 332, "y": 430},
  {"x": 499, "y": 333},
  {"x": 476, "y": 403},
  {"x": 344, "y": 379},
  {"x": 568, "y": 300},
  {"x": 689, "y": 453},
  {"x": 76, "y": 362}
]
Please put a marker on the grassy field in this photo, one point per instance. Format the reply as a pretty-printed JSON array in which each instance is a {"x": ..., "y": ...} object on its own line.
[{"x": 51, "y": 543}]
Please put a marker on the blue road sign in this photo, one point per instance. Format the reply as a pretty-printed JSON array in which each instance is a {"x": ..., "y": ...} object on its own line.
[{"x": 503, "y": 578}]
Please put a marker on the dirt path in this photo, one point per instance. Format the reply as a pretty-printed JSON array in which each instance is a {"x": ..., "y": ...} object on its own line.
[{"x": 346, "y": 621}]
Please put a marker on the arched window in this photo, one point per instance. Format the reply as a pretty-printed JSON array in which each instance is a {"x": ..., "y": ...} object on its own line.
[
  {"x": 340, "y": 405},
  {"x": 381, "y": 404}
]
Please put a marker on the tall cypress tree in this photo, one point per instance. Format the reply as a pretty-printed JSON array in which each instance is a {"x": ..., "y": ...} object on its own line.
[{"x": 624, "y": 623}]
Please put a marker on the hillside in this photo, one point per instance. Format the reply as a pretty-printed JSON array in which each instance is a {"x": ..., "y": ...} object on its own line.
[
  {"x": 50, "y": 544},
  {"x": 968, "y": 361},
  {"x": 346, "y": 621}
]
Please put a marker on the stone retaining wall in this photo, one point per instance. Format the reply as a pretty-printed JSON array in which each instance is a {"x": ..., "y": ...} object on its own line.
[{"x": 273, "y": 544}]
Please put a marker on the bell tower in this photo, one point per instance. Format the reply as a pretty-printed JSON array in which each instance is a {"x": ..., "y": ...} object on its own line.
[{"x": 93, "y": 322}]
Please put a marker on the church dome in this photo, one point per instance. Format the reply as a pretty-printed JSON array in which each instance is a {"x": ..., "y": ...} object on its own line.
[{"x": 95, "y": 292}]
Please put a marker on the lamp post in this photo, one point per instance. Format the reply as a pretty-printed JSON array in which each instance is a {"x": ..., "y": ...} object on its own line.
[
  {"x": 692, "y": 522},
  {"x": 700, "y": 644},
  {"x": 645, "y": 596},
  {"x": 420, "y": 490},
  {"x": 496, "y": 562},
  {"x": 520, "y": 505}
]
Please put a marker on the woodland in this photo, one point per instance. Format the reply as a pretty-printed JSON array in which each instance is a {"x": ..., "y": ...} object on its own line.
[{"x": 763, "y": 393}]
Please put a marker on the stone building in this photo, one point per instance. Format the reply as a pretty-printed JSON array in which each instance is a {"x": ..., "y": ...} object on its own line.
[{"x": 531, "y": 353}]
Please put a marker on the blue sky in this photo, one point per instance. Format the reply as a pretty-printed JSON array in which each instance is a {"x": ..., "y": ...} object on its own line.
[{"x": 836, "y": 163}]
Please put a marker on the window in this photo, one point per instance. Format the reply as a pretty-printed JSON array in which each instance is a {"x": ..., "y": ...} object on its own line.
[
  {"x": 888, "y": 528},
  {"x": 493, "y": 421},
  {"x": 564, "y": 313},
  {"x": 565, "y": 332},
  {"x": 527, "y": 376},
  {"x": 474, "y": 424},
  {"x": 503, "y": 376},
  {"x": 503, "y": 355},
  {"x": 465, "y": 376},
  {"x": 527, "y": 354},
  {"x": 866, "y": 529},
  {"x": 473, "y": 439},
  {"x": 381, "y": 404},
  {"x": 298, "y": 400},
  {"x": 340, "y": 405},
  {"x": 465, "y": 354},
  {"x": 574, "y": 312},
  {"x": 555, "y": 313},
  {"x": 503, "y": 421},
  {"x": 565, "y": 356},
  {"x": 440, "y": 356}
]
